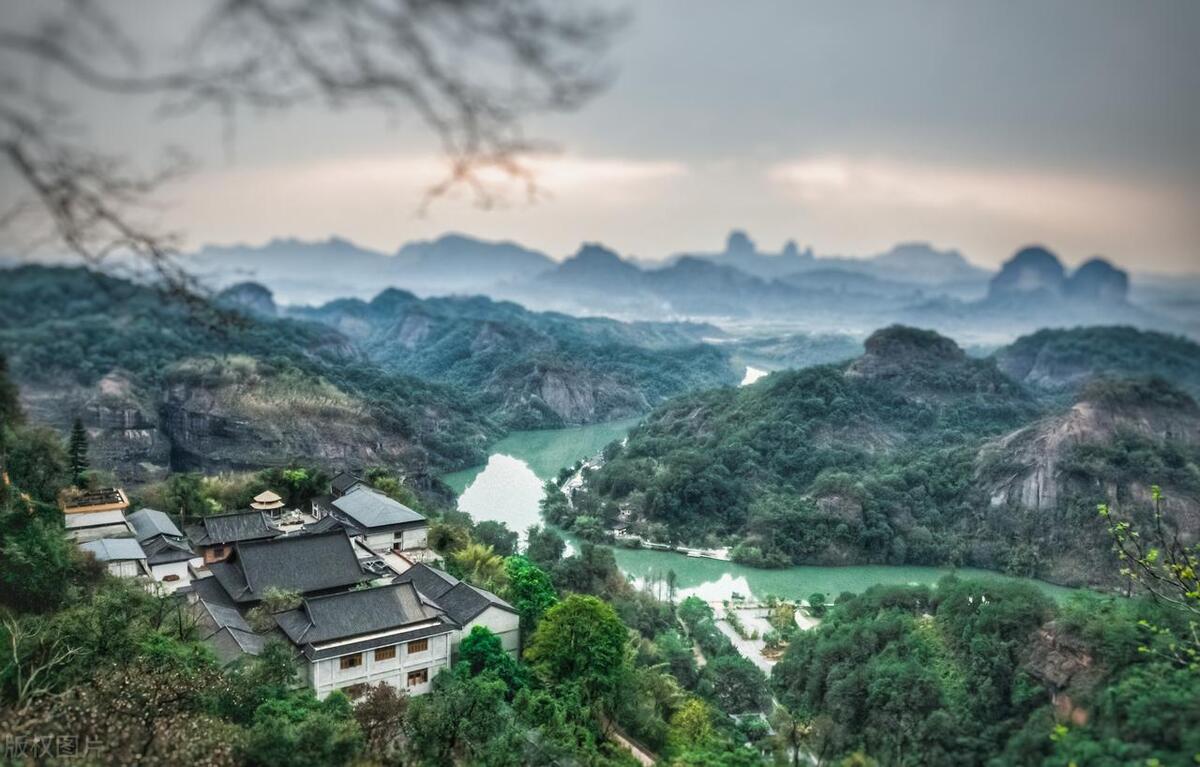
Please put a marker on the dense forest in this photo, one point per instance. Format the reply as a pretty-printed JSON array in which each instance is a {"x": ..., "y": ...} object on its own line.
[
  {"x": 429, "y": 384},
  {"x": 912, "y": 453},
  {"x": 969, "y": 673}
]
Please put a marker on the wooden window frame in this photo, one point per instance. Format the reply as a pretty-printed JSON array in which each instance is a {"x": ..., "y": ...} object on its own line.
[
  {"x": 385, "y": 653},
  {"x": 347, "y": 662},
  {"x": 421, "y": 673},
  {"x": 424, "y": 646}
]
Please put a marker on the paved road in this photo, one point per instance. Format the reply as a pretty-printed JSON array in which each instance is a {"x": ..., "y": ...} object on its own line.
[
  {"x": 643, "y": 756},
  {"x": 751, "y": 649}
]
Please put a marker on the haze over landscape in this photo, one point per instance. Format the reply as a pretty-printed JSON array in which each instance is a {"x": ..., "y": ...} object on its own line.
[
  {"x": 524, "y": 383},
  {"x": 847, "y": 127}
]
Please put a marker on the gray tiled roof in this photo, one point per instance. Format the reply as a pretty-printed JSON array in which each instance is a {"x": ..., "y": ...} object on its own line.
[
  {"x": 148, "y": 523},
  {"x": 225, "y": 616},
  {"x": 226, "y": 630},
  {"x": 162, "y": 549},
  {"x": 323, "y": 525},
  {"x": 461, "y": 601},
  {"x": 369, "y": 510},
  {"x": 430, "y": 581},
  {"x": 354, "y": 613},
  {"x": 232, "y": 528},
  {"x": 114, "y": 549},
  {"x": 304, "y": 563},
  {"x": 343, "y": 481}
]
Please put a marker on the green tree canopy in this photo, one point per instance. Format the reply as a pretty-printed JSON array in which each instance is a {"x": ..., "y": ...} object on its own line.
[
  {"x": 530, "y": 590},
  {"x": 581, "y": 642}
]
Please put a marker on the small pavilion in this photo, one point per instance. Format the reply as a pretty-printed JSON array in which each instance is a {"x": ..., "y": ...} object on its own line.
[{"x": 268, "y": 501}]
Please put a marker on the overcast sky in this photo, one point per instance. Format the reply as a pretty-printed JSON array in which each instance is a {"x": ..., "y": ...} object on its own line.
[{"x": 848, "y": 126}]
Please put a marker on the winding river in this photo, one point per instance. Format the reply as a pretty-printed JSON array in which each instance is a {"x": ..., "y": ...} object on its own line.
[{"x": 509, "y": 486}]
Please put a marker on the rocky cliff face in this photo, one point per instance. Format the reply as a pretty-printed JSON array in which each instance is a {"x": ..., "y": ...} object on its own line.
[
  {"x": 1034, "y": 455},
  {"x": 1036, "y": 476},
  {"x": 228, "y": 415},
  {"x": 218, "y": 423},
  {"x": 123, "y": 424},
  {"x": 547, "y": 396}
]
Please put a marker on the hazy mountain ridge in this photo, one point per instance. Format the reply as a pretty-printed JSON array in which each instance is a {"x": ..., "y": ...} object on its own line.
[{"x": 912, "y": 283}]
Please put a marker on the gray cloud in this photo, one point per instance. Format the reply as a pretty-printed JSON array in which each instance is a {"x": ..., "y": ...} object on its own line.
[{"x": 972, "y": 116}]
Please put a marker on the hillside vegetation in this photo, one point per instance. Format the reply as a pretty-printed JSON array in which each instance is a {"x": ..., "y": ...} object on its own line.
[
  {"x": 912, "y": 453},
  {"x": 151, "y": 379},
  {"x": 531, "y": 370},
  {"x": 421, "y": 384},
  {"x": 1059, "y": 363}
]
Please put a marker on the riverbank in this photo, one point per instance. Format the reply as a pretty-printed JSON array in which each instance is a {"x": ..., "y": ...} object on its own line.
[{"x": 510, "y": 486}]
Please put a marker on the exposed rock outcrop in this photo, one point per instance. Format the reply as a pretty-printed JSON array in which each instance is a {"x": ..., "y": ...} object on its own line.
[
  {"x": 1064, "y": 664},
  {"x": 1024, "y": 468},
  {"x": 122, "y": 424}
]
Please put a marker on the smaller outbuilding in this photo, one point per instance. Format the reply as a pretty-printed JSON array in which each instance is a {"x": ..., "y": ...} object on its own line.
[
  {"x": 381, "y": 522},
  {"x": 268, "y": 501},
  {"x": 168, "y": 553},
  {"x": 88, "y": 526},
  {"x": 122, "y": 556},
  {"x": 468, "y": 606}
]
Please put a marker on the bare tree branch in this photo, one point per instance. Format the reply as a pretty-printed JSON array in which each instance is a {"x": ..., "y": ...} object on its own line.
[{"x": 470, "y": 70}]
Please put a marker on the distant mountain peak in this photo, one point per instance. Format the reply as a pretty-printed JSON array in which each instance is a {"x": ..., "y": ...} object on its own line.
[
  {"x": 1033, "y": 270},
  {"x": 792, "y": 251},
  {"x": 593, "y": 253},
  {"x": 1098, "y": 280},
  {"x": 739, "y": 243},
  {"x": 252, "y": 297},
  {"x": 1036, "y": 271}
]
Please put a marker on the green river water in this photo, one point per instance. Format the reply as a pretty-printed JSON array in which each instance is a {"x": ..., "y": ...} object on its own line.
[{"x": 509, "y": 486}]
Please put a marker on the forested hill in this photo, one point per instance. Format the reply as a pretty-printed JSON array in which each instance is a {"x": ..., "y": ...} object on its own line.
[
  {"x": 1060, "y": 363},
  {"x": 532, "y": 369},
  {"x": 424, "y": 385},
  {"x": 912, "y": 453},
  {"x": 159, "y": 386}
]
